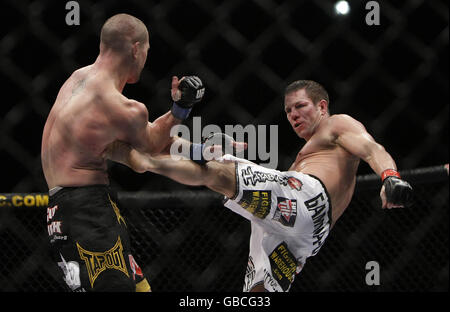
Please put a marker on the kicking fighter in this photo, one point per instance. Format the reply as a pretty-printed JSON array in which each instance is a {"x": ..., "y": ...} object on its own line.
[
  {"x": 291, "y": 212},
  {"x": 88, "y": 235}
]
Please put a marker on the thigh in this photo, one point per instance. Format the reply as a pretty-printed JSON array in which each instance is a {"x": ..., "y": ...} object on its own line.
[{"x": 271, "y": 265}]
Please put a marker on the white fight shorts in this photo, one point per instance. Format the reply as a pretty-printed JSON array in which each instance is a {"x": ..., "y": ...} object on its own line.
[{"x": 290, "y": 214}]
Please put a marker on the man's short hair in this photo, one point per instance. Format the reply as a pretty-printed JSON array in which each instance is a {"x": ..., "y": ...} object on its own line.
[
  {"x": 313, "y": 89},
  {"x": 120, "y": 30}
]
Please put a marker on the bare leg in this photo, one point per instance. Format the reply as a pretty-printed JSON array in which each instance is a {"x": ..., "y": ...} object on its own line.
[
  {"x": 219, "y": 177},
  {"x": 223, "y": 178}
]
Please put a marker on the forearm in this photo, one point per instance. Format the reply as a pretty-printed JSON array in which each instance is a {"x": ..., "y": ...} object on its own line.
[
  {"x": 123, "y": 153},
  {"x": 159, "y": 137},
  {"x": 379, "y": 159}
]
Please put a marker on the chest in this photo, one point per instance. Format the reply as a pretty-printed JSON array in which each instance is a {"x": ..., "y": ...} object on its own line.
[
  {"x": 315, "y": 145},
  {"x": 318, "y": 147}
]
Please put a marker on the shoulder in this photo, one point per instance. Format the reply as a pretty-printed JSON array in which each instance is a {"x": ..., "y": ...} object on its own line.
[
  {"x": 125, "y": 108},
  {"x": 113, "y": 100},
  {"x": 343, "y": 118},
  {"x": 81, "y": 73},
  {"x": 136, "y": 107},
  {"x": 343, "y": 122},
  {"x": 126, "y": 112}
]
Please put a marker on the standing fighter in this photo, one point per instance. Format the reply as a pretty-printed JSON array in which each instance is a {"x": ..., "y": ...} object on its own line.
[
  {"x": 88, "y": 235},
  {"x": 291, "y": 212}
]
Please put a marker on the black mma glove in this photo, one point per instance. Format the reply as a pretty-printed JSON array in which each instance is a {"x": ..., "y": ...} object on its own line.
[
  {"x": 192, "y": 90},
  {"x": 398, "y": 191}
]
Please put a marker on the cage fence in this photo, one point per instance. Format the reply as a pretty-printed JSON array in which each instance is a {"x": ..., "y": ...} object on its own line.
[
  {"x": 188, "y": 242},
  {"x": 392, "y": 77}
]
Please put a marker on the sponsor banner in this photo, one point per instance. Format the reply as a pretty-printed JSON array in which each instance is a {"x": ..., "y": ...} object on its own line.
[{"x": 23, "y": 200}]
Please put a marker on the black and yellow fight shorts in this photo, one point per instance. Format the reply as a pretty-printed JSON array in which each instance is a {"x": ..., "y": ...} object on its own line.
[{"x": 89, "y": 241}]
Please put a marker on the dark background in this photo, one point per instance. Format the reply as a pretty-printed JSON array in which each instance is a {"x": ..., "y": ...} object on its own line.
[{"x": 392, "y": 77}]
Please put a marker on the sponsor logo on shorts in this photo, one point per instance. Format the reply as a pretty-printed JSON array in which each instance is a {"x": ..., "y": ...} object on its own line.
[
  {"x": 253, "y": 177},
  {"x": 53, "y": 226},
  {"x": 249, "y": 274},
  {"x": 135, "y": 268},
  {"x": 283, "y": 265},
  {"x": 97, "y": 262},
  {"x": 286, "y": 211},
  {"x": 51, "y": 212},
  {"x": 270, "y": 283},
  {"x": 295, "y": 183},
  {"x": 117, "y": 211},
  {"x": 256, "y": 202},
  {"x": 71, "y": 271},
  {"x": 318, "y": 205}
]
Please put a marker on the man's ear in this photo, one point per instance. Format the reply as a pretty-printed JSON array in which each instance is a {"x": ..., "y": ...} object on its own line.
[
  {"x": 323, "y": 106},
  {"x": 135, "y": 49}
]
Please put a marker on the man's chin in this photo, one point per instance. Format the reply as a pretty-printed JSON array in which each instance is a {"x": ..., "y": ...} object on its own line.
[
  {"x": 300, "y": 134},
  {"x": 133, "y": 80}
]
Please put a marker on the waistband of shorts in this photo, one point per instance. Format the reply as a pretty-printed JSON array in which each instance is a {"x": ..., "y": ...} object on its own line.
[
  {"x": 59, "y": 190},
  {"x": 326, "y": 192},
  {"x": 54, "y": 190}
]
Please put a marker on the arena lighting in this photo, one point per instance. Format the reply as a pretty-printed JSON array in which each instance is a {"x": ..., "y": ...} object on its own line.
[{"x": 342, "y": 8}]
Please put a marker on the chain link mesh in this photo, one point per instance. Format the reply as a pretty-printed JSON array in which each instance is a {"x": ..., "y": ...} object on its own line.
[
  {"x": 187, "y": 241},
  {"x": 392, "y": 77}
]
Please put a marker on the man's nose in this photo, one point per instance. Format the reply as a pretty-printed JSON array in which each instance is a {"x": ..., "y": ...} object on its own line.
[{"x": 294, "y": 115}]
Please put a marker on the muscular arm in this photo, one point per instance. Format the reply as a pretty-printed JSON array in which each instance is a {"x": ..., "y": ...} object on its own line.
[
  {"x": 353, "y": 137},
  {"x": 132, "y": 126},
  {"x": 158, "y": 135},
  {"x": 155, "y": 137}
]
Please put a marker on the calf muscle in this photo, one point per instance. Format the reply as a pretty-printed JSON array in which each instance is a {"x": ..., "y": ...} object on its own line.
[{"x": 221, "y": 178}]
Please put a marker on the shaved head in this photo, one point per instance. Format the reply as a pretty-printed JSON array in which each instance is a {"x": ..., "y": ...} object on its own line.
[{"x": 120, "y": 32}]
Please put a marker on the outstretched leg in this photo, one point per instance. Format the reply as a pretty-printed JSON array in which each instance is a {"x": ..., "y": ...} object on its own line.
[{"x": 217, "y": 176}]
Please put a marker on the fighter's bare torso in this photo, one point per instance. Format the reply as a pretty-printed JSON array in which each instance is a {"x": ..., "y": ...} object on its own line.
[
  {"x": 322, "y": 157},
  {"x": 77, "y": 131}
]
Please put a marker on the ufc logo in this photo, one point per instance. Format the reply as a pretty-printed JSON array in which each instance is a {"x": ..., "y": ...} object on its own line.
[{"x": 200, "y": 93}]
